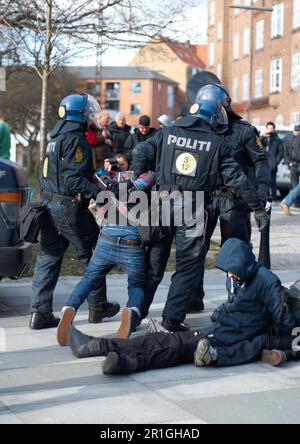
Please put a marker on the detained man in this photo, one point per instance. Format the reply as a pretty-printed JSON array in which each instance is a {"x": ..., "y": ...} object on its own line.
[{"x": 253, "y": 321}]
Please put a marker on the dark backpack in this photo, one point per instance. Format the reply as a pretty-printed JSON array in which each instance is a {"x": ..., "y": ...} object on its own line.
[{"x": 30, "y": 218}]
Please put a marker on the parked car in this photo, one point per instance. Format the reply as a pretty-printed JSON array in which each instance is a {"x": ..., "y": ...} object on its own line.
[{"x": 15, "y": 255}]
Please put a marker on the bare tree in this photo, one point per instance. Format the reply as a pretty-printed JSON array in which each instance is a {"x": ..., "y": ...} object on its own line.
[{"x": 48, "y": 33}]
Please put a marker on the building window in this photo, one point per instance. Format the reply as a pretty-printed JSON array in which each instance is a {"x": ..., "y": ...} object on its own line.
[
  {"x": 247, "y": 2},
  {"x": 296, "y": 14},
  {"x": 220, "y": 31},
  {"x": 219, "y": 71},
  {"x": 295, "y": 118},
  {"x": 277, "y": 20},
  {"x": 235, "y": 89},
  {"x": 136, "y": 88},
  {"x": 246, "y": 45},
  {"x": 211, "y": 54},
  {"x": 171, "y": 100},
  {"x": 296, "y": 71},
  {"x": 260, "y": 32},
  {"x": 256, "y": 121},
  {"x": 93, "y": 89},
  {"x": 236, "y": 47},
  {"x": 279, "y": 120},
  {"x": 258, "y": 89},
  {"x": 236, "y": 11},
  {"x": 135, "y": 109},
  {"x": 212, "y": 13},
  {"x": 276, "y": 76},
  {"x": 246, "y": 87}
]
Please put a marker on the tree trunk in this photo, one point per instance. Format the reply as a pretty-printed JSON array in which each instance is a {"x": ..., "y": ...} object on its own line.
[{"x": 45, "y": 80}]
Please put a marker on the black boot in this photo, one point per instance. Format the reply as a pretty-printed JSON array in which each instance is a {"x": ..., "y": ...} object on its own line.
[
  {"x": 119, "y": 364},
  {"x": 40, "y": 321},
  {"x": 84, "y": 346},
  {"x": 107, "y": 310},
  {"x": 173, "y": 325}
]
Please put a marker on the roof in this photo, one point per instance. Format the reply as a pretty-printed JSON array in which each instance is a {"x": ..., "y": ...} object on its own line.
[
  {"x": 187, "y": 53},
  {"x": 118, "y": 73}
]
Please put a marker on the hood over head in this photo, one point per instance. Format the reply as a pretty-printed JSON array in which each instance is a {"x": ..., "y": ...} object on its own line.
[{"x": 237, "y": 257}]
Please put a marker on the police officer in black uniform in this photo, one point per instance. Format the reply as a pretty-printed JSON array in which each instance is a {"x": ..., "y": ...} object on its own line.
[
  {"x": 192, "y": 156},
  {"x": 232, "y": 210},
  {"x": 66, "y": 189}
]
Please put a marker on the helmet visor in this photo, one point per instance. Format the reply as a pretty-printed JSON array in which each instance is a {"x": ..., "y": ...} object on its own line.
[{"x": 92, "y": 111}]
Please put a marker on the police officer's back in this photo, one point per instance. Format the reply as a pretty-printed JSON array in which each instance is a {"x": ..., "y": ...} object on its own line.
[{"x": 191, "y": 156}]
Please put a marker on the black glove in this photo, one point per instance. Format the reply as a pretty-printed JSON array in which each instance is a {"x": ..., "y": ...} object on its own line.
[{"x": 262, "y": 219}]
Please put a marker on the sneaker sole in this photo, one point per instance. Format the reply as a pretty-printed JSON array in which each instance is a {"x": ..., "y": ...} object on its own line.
[
  {"x": 64, "y": 326},
  {"x": 273, "y": 357},
  {"x": 201, "y": 350},
  {"x": 125, "y": 327}
]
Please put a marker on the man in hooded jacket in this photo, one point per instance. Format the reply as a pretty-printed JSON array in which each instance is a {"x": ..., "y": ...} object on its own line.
[{"x": 252, "y": 321}]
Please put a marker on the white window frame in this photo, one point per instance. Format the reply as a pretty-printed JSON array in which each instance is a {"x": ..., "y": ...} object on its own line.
[
  {"x": 276, "y": 75},
  {"x": 246, "y": 42},
  {"x": 296, "y": 14},
  {"x": 236, "y": 47},
  {"x": 219, "y": 71},
  {"x": 295, "y": 118},
  {"x": 246, "y": 90},
  {"x": 260, "y": 35},
  {"x": 279, "y": 120},
  {"x": 295, "y": 73},
  {"x": 235, "y": 89},
  {"x": 170, "y": 97},
  {"x": 212, "y": 13},
  {"x": 258, "y": 83},
  {"x": 211, "y": 54},
  {"x": 236, "y": 11},
  {"x": 277, "y": 20},
  {"x": 220, "y": 31}
]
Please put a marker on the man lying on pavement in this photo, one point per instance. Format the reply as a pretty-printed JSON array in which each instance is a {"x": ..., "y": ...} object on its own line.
[{"x": 250, "y": 325}]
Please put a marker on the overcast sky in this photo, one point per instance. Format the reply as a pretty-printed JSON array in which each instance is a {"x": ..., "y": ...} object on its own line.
[{"x": 114, "y": 57}]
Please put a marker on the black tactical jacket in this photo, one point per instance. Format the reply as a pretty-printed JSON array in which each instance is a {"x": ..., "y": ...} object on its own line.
[
  {"x": 68, "y": 164},
  {"x": 191, "y": 156}
]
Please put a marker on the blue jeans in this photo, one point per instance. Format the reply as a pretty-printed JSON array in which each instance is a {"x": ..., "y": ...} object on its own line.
[
  {"x": 107, "y": 255},
  {"x": 292, "y": 196}
]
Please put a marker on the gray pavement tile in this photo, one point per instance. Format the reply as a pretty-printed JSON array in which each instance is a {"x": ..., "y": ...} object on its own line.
[
  {"x": 279, "y": 407},
  {"x": 6, "y": 417},
  {"x": 111, "y": 403}
]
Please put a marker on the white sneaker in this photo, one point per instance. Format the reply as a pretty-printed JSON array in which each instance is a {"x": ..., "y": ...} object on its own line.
[
  {"x": 205, "y": 355},
  {"x": 155, "y": 327}
]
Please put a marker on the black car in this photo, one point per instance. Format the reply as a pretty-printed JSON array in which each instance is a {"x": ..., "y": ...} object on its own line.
[{"x": 15, "y": 255}]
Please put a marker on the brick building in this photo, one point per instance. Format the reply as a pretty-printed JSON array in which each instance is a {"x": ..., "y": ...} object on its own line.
[
  {"x": 257, "y": 56},
  {"x": 133, "y": 90},
  {"x": 178, "y": 61}
]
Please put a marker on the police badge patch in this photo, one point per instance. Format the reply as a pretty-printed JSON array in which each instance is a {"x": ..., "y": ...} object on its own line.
[
  {"x": 79, "y": 156},
  {"x": 185, "y": 164}
]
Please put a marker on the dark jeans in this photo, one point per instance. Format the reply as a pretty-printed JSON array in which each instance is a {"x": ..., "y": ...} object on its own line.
[
  {"x": 164, "y": 350},
  {"x": 234, "y": 222},
  {"x": 56, "y": 236},
  {"x": 295, "y": 176},
  {"x": 106, "y": 256}
]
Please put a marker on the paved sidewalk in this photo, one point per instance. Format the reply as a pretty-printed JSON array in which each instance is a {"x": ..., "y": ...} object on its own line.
[{"x": 41, "y": 382}]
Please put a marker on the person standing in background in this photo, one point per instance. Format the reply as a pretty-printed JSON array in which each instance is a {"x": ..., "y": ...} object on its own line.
[{"x": 292, "y": 157}]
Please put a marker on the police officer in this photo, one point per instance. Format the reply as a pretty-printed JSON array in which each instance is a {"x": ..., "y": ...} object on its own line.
[
  {"x": 232, "y": 210},
  {"x": 66, "y": 188},
  {"x": 192, "y": 156}
]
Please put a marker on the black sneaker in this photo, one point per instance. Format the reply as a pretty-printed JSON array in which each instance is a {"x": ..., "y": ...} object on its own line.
[
  {"x": 174, "y": 326},
  {"x": 40, "y": 321},
  {"x": 108, "y": 310},
  {"x": 129, "y": 322},
  {"x": 119, "y": 364}
]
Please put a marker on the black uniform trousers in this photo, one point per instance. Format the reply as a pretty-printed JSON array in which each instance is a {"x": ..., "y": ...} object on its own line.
[
  {"x": 163, "y": 350},
  {"x": 235, "y": 222},
  {"x": 56, "y": 235}
]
